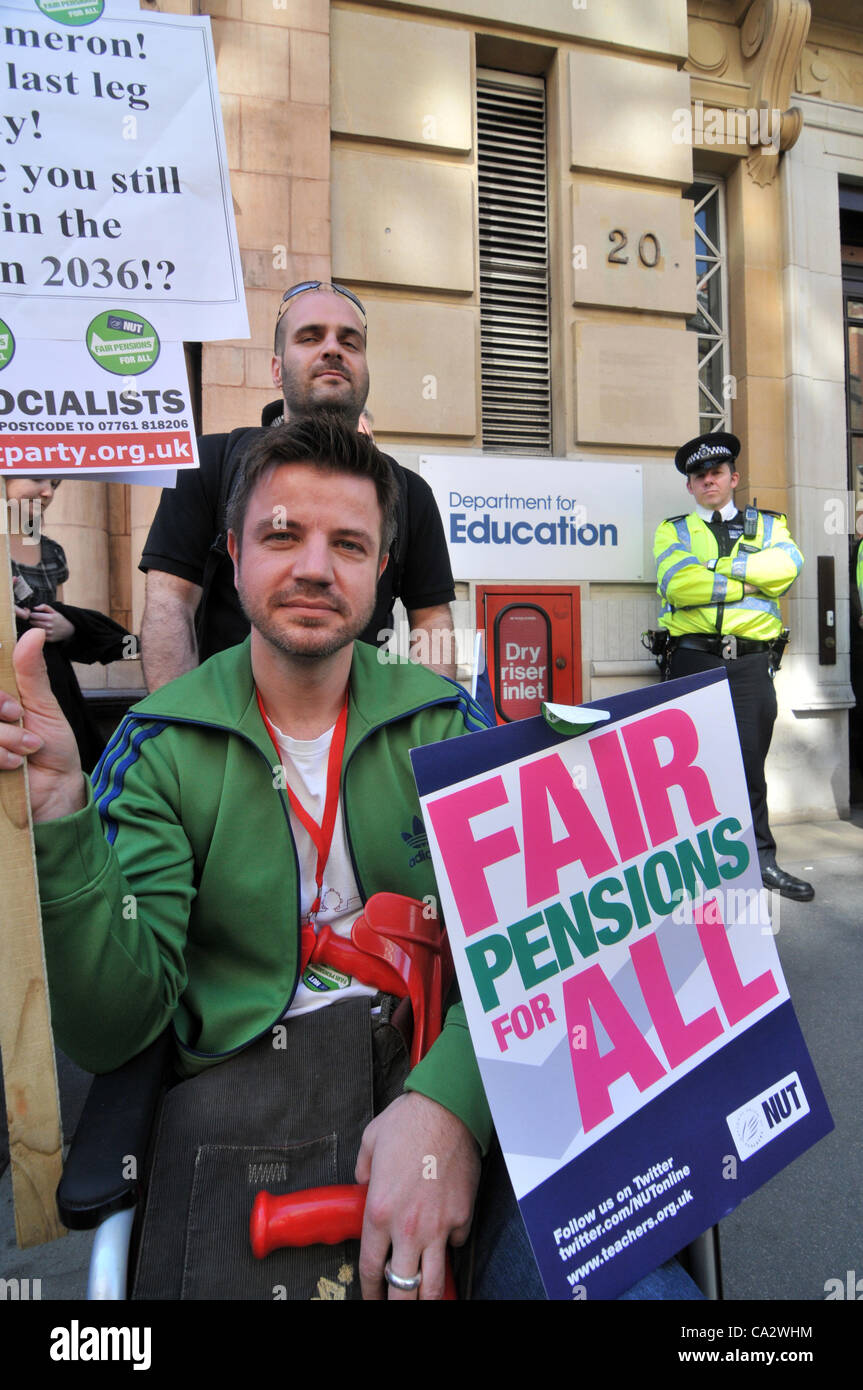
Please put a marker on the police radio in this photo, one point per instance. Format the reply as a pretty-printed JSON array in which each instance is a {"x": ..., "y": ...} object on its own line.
[{"x": 750, "y": 523}]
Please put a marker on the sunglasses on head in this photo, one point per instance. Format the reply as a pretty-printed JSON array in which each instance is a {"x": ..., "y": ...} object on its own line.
[{"x": 320, "y": 285}]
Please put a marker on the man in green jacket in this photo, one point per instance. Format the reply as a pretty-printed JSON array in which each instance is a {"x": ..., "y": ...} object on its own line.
[{"x": 225, "y": 823}]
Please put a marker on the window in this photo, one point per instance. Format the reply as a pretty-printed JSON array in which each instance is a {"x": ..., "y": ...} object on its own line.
[
  {"x": 851, "y": 225},
  {"x": 854, "y": 384},
  {"x": 711, "y": 320},
  {"x": 513, "y": 261}
]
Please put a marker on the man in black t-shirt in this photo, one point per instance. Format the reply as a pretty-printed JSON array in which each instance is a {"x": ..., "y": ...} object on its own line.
[{"x": 192, "y": 610}]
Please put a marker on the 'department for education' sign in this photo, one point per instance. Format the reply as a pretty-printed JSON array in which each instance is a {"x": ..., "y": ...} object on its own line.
[
  {"x": 539, "y": 518},
  {"x": 617, "y": 962}
]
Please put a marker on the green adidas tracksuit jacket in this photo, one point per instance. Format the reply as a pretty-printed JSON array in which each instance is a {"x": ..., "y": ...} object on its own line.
[{"x": 173, "y": 896}]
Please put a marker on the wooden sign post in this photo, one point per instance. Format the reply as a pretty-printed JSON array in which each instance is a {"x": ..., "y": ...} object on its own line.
[{"x": 26, "y": 1042}]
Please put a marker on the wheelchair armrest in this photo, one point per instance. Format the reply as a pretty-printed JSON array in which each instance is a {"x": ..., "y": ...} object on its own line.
[{"x": 114, "y": 1129}]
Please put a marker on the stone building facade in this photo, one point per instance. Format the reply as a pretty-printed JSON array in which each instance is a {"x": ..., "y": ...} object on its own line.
[{"x": 699, "y": 159}]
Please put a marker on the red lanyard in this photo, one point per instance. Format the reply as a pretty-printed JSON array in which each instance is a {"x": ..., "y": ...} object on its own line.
[{"x": 322, "y": 835}]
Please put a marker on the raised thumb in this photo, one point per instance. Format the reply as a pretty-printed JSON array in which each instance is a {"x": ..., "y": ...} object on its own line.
[{"x": 31, "y": 675}]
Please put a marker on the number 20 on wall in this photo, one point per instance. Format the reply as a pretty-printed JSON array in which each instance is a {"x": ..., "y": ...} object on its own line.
[{"x": 648, "y": 248}]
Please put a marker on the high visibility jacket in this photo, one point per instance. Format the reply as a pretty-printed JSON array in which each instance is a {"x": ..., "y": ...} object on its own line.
[{"x": 703, "y": 593}]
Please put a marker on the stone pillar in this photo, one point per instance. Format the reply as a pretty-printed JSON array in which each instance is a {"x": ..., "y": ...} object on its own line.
[
  {"x": 78, "y": 519},
  {"x": 143, "y": 502},
  {"x": 756, "y": 337}
]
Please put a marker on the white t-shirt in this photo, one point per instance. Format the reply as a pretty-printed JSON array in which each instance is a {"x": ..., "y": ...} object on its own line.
[{"x": 305, "y": 764}]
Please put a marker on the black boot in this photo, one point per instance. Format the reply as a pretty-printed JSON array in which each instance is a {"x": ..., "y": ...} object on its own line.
[{"x": 786, "y": 885}]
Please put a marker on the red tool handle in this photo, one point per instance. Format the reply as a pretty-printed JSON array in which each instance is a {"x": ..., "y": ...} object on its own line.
[
  {"x": 330, "y": 949},
  {"x": 317, "y": 1216}
]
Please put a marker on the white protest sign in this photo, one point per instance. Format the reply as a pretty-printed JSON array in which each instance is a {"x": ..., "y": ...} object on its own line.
[
  {"x": 539, "y": 518},
  {"x": 114, "y": 187},
  {"x": 118, "y": 397},
  {"x": 617, "y": 964},
  {"x": 77, "y": 12}
]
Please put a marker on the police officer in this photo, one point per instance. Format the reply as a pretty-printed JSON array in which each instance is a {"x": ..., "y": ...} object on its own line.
[{"x": 720, "y": 574}]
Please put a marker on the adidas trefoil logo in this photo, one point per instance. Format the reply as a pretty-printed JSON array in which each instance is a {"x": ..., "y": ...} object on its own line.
[{"x": 417, "y": 840}]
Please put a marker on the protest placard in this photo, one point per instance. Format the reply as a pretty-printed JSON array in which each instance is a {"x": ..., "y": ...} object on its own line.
[
  {"x": 117, "y": 398},
  {"x": 114, "y": 189},
  {"x": 26, "y": 1044},
  {"x": 617, "y": 962},
  {"x": 118, "y": 244}
]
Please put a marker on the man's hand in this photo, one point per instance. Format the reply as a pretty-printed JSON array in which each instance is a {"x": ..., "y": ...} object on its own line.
[
  {"x": 168, "y": 645},
  {"x": 433, "y": 639},
  {"x": 56, "y": 626},
  {"x": 422, "y": 1166},
  {"x": 56, "y": 781}
]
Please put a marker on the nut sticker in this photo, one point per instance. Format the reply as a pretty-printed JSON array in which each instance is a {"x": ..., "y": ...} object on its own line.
[
  {"x": 122, "y": 343},
  {"x": 7, "y": 345}
]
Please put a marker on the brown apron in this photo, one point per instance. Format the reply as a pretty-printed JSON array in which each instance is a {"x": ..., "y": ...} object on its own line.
[{"x": 278, "y": 1118}]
